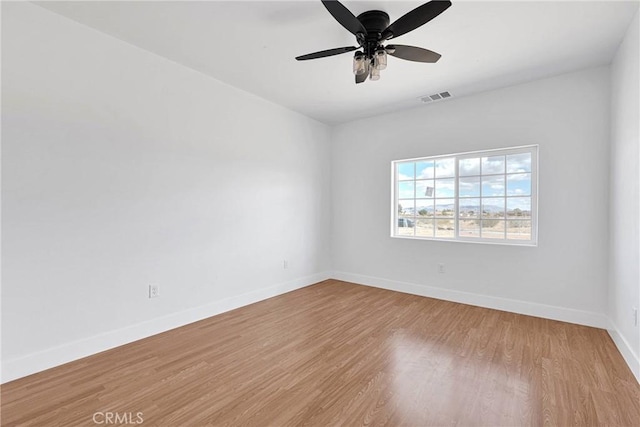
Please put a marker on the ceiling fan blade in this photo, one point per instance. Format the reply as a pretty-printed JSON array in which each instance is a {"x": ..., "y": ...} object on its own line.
[
  {"x": 412, "y": 53},
  {"x": 324, "y": 53},
  {"x": 416, "y": 18},
  {"x": 360, "y": 78},
  {"x": 344, "y": 16}
]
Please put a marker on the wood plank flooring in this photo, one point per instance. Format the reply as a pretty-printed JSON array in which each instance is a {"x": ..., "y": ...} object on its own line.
[{"x": 341, "y": 354}]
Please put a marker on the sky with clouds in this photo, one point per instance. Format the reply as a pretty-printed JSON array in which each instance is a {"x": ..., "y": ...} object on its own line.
[{"x": 492, "y": 176}]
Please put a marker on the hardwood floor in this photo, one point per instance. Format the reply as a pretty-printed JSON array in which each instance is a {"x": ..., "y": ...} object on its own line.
[{"x": 341, "y": 354}]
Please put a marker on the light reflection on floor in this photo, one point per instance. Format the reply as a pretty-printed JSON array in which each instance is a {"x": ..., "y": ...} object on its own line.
[{"x": 451, "y": 380}]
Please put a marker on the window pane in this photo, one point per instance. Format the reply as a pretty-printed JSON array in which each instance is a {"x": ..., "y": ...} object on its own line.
[
  {"x": 469, "y": 228},
  {"x": 425, "y": 170},
  {"x": 424, "y": 227},
  {"x": 519, "y": 229},
  {"x": 405, "y": 170},
  {"x": 469, "y": 167},
  {"x": 492, "y": 229},
  {"x": 519, "y": 207},
  {"x": 445, "y": 187},
  {"x": 424, "y": 189},
  {"x": 519, "y": 162},
  {"x": 445, "y": 168},
  {"x": 405, "y": 226},
  {"x": 469, "y": 187},
  {"x": 494, "y": 164},
  {"x": 424, "y": 208},
  {"x": 519, "y": 184},
  {"x": 469, "y": 208},
  {"x": 405, "y": 207},
  {"x": 493, "y": 208},
  {"x": 445, "y": 228},
  {"x": 405, "y": 190},
  {"x": 445, "y": 207},
  {"x": 493, "y": 186}
]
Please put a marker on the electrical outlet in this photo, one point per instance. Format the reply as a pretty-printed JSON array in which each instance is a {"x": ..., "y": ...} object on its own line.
[
  {"x": 154, "y": 291},
  {"x": 635, "y": 315},
  {"x": 285, "y": 264},
  {"x": 441, "y": 268}
]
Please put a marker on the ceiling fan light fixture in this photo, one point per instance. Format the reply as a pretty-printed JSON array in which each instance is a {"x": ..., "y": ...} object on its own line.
[
  {"x": 359, "y": 64},
  {"x": 381, "y": 58},
  {"x": 374, "y": 72}
]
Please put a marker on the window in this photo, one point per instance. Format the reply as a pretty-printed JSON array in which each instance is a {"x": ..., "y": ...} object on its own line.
[{"x": 484, "y": 196}]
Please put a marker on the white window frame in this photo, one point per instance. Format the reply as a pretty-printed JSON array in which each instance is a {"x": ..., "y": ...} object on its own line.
[{"x": 533, "y": 149}]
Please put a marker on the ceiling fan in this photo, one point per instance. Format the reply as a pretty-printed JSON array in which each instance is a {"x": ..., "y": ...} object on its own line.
[{"x": 372, "y": 29}]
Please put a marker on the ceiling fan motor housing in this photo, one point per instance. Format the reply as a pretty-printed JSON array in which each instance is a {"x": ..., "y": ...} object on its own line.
[{"x": 375, "y": 22}]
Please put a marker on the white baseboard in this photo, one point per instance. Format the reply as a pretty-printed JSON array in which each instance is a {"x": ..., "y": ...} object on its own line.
[
  {"x": 563, "y": 314},
  {"x": 17, "y": 368},
  {"x": 632, "y": 359}
]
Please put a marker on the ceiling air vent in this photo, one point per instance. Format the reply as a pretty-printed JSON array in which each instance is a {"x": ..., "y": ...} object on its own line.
[{"x": 435, "y": 97}]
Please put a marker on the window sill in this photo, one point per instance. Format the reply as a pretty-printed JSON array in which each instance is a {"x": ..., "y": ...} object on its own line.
[{"x": 527, "y": 243}]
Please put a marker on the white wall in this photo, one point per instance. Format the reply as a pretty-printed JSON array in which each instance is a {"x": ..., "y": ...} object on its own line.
[
  {"x": 565, "y": 277},
  {"x": 121, "y": 169},
  {"x": 624, "y": 214}
]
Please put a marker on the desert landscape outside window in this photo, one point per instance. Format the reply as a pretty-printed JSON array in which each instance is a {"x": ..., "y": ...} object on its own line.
[{"x": 482, "y": 196}]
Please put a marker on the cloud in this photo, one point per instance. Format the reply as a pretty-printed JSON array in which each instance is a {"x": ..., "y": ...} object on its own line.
[
  {"x": 493, "y": 186},
  {"x": 519, "y": 177},
  {"x": 494, "y": 164},
  {"x": 469, "y": 166},
  {"x": 519, "y": 162},
  {"x": 425, "y": 170},
  {"x": 445, "y": 168}
]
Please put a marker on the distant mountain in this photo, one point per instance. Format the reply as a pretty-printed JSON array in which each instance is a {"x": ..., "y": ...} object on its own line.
[{"x": 463, "y": 208}]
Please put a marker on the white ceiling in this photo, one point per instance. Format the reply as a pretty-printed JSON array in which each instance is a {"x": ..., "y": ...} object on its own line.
[{"x": 252, "y": 44}]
